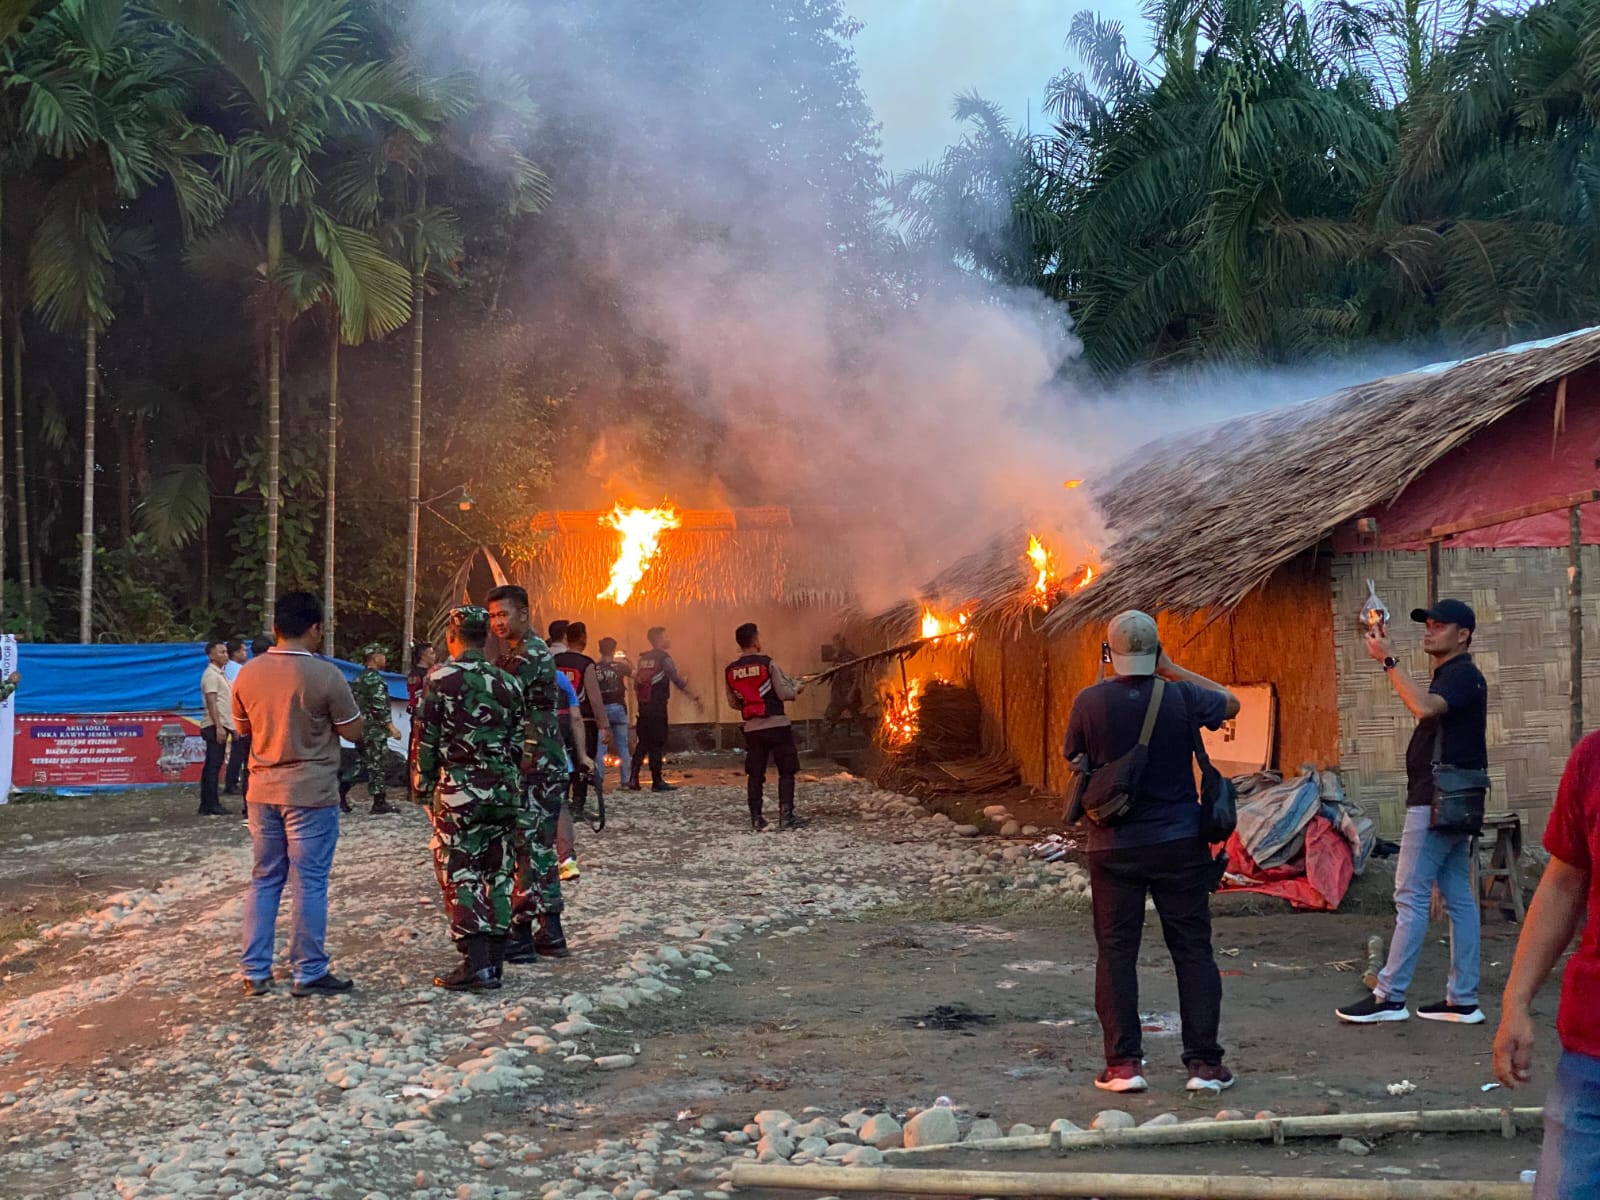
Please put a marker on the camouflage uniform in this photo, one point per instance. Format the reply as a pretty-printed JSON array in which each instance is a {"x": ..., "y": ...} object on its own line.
[
  {"x": 465, "y": 769},
  {"x": 7, "y": 687},
  {"x": 544, "y": 780},
  {"x": 372, "y": 698}
]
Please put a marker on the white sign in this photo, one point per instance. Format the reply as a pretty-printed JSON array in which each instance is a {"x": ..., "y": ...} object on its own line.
[
  {"x": 1244, "y": 745},
  {"x": 8, "y": 715}
]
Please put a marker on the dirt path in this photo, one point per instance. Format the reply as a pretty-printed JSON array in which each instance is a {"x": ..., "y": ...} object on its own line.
[{"x": 875, "y": 960}]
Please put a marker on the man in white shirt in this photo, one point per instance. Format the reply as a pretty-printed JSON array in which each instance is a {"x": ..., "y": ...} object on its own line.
[{"x": 216, "y": 694}]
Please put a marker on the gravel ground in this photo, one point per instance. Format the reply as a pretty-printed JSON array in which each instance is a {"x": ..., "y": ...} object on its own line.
[{"x": 130, "y": 1062}]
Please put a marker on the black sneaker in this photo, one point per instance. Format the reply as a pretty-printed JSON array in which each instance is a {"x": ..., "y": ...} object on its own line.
[
  {"x": 759, "y": 824},
  {"x": 663, "y": 787},
  {"x": 1369, "y": 1010},
  {"x": 790, "y": 821},
  {"x": 323, "y": 985},
  {"x": 1460, "y": 1014},
  {"x": 258, "y": 987}
]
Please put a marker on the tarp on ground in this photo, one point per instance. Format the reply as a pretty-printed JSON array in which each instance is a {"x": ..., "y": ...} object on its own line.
[{"x": 104, "y": 679}]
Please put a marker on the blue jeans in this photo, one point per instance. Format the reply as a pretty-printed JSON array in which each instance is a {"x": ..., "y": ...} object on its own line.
[
  {"x": 617, "y": 718},
  {"x": 1569, "y": 1165},
  {"x": 1427, "y": 858},
  {"x": 293, "y": 845}
]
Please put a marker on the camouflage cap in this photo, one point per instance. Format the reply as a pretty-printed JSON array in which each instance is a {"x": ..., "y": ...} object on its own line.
[
  {"x": 469, "y": 619},
  {"x": 372, "y": 648}
]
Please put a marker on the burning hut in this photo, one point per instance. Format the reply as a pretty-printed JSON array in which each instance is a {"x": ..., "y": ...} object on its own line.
[
  {"x": 701, "y": 573},
  {"x": 1253, "y": 543}
]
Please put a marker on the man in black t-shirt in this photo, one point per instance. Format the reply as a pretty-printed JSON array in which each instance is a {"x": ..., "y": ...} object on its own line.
[
  {"x": 1157, "y": 852},
  {"x": 1452, "y": 723}
]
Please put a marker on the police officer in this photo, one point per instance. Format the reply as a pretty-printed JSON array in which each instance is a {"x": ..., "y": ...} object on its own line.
[
  {"x": 758, "y": 687},
  {"x": 465, "y": 770},
  {"x": 537, "y": 897},
  {"x": 372, "y": 698},
  {"x": 613, "y": 672}
]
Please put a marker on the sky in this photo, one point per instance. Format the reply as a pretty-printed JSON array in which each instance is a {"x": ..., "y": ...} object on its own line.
[{"x": 917, "y": 55}]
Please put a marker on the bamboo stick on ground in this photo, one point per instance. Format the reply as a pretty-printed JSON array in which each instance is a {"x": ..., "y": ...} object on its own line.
[
  {"x": 1126, "y": 1187},
  {"x": 1455, "y": 1120}
]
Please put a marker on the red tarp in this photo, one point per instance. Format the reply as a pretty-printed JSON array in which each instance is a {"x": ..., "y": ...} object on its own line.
[
  {"x": 1515, "y": 462},
  {"x": 1316, "y": 878}
]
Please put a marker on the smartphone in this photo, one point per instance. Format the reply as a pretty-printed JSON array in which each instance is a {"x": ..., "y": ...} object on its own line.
[{"x": 1105, "y": 653}]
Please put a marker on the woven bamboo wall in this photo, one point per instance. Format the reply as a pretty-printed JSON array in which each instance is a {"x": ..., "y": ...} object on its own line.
[
  {"x": 1282, "y": 634},
  {"x": 1522, "y": 648}
]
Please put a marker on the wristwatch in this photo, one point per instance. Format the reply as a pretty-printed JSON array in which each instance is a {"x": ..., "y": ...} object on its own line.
[{"x": 1390, "y": 663}]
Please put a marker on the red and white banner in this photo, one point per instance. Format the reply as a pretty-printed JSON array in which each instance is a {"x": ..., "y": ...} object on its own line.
[{"x": 114, "y": 750}]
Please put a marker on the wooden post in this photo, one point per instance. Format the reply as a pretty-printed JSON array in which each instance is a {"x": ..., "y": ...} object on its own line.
[
  {"x": 1575, "y": 616},
  {"x": 1433, "y": 573}
]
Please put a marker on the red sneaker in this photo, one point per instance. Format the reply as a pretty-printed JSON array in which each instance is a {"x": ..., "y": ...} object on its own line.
[
  {"x": 1209, "y": 1077},
  {"x": 1125, "y": 1078}
]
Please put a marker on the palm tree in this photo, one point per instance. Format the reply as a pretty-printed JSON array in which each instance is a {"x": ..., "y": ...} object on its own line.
[
  {"x": 294, "y": 75},
  {"x": 474, "y": 119},
  {"x": 131, "y": 134}
]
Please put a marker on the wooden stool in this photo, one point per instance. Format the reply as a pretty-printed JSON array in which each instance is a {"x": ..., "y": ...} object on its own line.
[{"x": 1500, "y": 886}]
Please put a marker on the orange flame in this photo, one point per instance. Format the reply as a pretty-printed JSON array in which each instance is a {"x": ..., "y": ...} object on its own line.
[
  {"x": 900, "y": 714},
  {"x": 1040, "y": 558},
  {"x": 935, "y": 626},
  {"x": 1072, "y": 483},
  {"x": 641, "y": 530}
]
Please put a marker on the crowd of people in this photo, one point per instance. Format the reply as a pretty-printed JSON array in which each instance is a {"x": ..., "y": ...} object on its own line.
[
  {"x": 1142, "y": 725},
  {"x": 500, "y": 753}
]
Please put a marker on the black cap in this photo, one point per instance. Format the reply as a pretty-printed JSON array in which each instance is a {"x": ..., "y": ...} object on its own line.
[{"x": 1448, "y": 612}]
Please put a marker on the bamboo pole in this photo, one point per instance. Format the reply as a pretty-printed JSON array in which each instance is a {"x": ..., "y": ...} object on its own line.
[
  {"x": 945, "y": 1182},
  {"x": 1457, "y": 1120}
]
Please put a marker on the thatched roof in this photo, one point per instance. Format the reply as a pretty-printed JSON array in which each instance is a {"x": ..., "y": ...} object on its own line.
[
  {"x": 732, "y": 557},
  {"x": 1204, "y": 520}
]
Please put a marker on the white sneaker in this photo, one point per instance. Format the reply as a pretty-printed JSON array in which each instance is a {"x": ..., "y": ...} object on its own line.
[{"x": 1460, "y": 1014}]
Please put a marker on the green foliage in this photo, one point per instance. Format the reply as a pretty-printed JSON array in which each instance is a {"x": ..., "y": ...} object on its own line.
[{"x": 298, "y": 522}]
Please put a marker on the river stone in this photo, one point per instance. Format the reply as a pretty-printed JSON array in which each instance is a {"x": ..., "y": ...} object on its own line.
[
  {"x": 1111, "y": 1119},
  {"x": 984, "y": 1130},
  {"x": 877, "y": 1128},
  {"x": 934, "y": 1126}
]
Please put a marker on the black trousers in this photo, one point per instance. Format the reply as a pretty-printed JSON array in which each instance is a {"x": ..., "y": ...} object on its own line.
[
  {"x": 652, "y": 744},
  {"x": 238, "y": 755},
  {"x": 1179, "y": 877},
  {"x": 776, "y": 746},
  {"x": 216, "y": 741}
]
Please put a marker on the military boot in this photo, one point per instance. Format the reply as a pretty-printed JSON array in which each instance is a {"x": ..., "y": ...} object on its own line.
[
  {"x": 550, "y": 941},
  {"x": 497, "y": 953},
  {"x": 758, "y": 821},
  {"x": 787, "y": 819},
  {"x": 519, "y": 948},
  {"x": 382, "y": 806},
  {"x": 475, "y": 972}
]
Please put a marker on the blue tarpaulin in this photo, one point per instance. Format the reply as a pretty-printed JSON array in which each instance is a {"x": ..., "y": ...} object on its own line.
[{"x": 158, "y": 677}]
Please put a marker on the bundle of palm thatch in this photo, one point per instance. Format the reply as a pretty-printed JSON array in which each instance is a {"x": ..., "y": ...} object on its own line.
[{"x": 943, "y": 753}]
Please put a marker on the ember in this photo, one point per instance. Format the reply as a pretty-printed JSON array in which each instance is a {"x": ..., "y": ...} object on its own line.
[{"x": 641, "y": 530}]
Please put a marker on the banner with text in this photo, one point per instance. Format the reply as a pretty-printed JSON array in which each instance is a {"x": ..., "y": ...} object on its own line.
[{"x": 122, "y": 750}]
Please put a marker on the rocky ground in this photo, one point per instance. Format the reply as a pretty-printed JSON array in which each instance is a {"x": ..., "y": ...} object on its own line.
[{"x": 780, "y": 997}]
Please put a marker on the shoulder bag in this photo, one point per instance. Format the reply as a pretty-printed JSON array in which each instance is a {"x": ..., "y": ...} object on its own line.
[
  {"x": 1111, "y": 791},
  {"x": 1219, "y": 799},
  {"x": 1459, "y": 793}
]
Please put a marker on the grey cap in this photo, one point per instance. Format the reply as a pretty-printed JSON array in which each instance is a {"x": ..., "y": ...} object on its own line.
[{"x": 1135, "y": 643}]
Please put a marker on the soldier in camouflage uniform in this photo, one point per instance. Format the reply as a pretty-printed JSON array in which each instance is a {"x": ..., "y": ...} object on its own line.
[
  {"x": 465, "y": 769},
  {"x": 372, "y": 698},
  {"x": 544, "y": 781}
]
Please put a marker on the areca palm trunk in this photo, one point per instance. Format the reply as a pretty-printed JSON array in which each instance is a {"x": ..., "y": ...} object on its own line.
[
  {"x": 274, "y": 431},
  {"x": 86, "y": 570},
  {"x": 415, "y": 494},
  {"x": 20, "y": 455},
  {"x": 333, "y": 464}
]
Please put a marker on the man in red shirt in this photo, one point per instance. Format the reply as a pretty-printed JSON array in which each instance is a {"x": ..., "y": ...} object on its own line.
[{"x": 1569, "y": 1167}]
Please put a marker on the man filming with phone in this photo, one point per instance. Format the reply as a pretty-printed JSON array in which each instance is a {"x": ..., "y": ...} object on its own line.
[{"x": 1149, "y": 714}]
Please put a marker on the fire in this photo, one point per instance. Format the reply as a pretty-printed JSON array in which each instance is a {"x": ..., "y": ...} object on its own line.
[
  {"x": 900, "y": 714},
  {"x": 1070, "y": 484},
  {"x": 934, "y": 626},
  {"x": 1040, "y": 558},
  {"x": 641, "y": 530}
]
